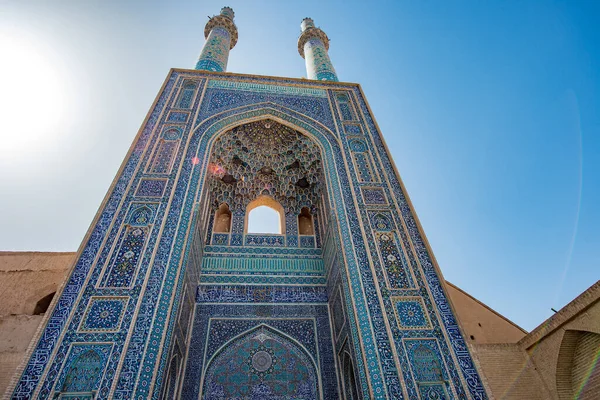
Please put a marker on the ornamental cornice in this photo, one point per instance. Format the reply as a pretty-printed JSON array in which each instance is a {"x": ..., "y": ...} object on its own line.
[
  {"x": 309, "y": 33},
  {"x": 224, "y": 22}
]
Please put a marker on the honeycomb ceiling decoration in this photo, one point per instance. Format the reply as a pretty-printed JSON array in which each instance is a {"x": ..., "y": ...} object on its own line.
[{"x": 266, "y": 158}]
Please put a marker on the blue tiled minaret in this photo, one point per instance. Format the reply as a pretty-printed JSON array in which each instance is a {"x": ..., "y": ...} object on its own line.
[
  {"x": 313, "y": 44},
  {"x": 221, "y": 36}
]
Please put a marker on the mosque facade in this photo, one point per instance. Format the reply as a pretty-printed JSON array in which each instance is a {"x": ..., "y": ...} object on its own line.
[{"x": 172, "y": 295}]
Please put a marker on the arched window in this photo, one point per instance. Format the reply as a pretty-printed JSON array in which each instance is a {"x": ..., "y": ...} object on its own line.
[
  {"x": 42, "y": 305},
  {"x": 265, "y": 215},
  {"x": 305, "y": 222},
  {"x": 223, "y": 219}
]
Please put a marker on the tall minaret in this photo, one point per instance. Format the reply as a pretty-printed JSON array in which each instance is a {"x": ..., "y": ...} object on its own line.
[
  {"x": 313, "y": 44},
  {"x": 221, "y": 36}
]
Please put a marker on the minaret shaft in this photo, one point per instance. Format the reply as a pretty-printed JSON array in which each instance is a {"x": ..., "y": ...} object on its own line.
[
  {"x": 313, "y": 45},
  {"x": 221, "y": 36}
]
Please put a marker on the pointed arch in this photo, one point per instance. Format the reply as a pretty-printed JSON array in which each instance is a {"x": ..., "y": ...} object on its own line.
[
  {"x": 222, "y": 222},
  {"x": 84, "y": 372},
  {"x": 305, "y": 222},
  {"x": 262, "y": 362},
  {"x": 141, "y": 216},
  {"x": 199, "y": 148},
  {"x": 265, "y": 201}
]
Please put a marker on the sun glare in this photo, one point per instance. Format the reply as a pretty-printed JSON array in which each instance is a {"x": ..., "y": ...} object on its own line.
[{"x": 31, "y": 96}]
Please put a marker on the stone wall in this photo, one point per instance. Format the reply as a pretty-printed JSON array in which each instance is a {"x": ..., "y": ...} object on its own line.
[
  {"x": 481, "y": 324},
  {"x": 556, "y": 361},
  {"x": 25, "y": 279}
]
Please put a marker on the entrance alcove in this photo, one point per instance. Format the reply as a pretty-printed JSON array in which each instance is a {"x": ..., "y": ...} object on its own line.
[
  {"x": 271, "y": 179},
  {"x": 265, "y": 171}
]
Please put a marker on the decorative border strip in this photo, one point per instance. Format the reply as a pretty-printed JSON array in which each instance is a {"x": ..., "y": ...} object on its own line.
[{"x": 262, "y": 88}]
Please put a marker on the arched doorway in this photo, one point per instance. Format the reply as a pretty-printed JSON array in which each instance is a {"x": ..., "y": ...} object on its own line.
[{"x": 261, "y": 364}]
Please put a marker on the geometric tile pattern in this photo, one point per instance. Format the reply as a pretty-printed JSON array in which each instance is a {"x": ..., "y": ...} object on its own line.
[
  {"x": 373, "y": 196},
  {"x": 104, "y": 314},
  {"x": 272, "y": 367},
  {"x": 84, "y": 366},
  {"x": 186, "y": 95},
  {"x": 234, "y": 340},
  {"x": 424, "y": 356},
  {"x": 433, "y": 391},
  {"x": 151, "y": 187},
  {"x": 177, "y": 116},
  {"x": 411, "y": 313}
]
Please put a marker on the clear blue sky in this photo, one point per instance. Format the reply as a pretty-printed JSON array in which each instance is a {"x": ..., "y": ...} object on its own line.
[{"x": 491, "y": 111}]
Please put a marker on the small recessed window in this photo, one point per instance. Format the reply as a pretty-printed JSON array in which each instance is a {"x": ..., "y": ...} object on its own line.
[
  {"x": 42, "y": 305},
  {"x": 223, "y": 219},
  {"x": 305, "y": 222}
]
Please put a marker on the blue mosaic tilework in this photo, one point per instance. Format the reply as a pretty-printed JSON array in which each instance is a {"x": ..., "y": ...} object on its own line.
[
  {"x": 268, "y": 252},
  {"x": 124, "y": 264},
  {"x": 411, "y": 313},
  {"x": 261, "y": 266},
  {"x": 163, "y": 158},
  {"x": 219, "y": 325},
  {"x": 450, "y": 327},
  {"x": 262, "y": 364},
  {"x": 374, "y": 196},
  {"x": 177, "y": 116},
  {"x": 141, "y": 214},
  {"x": 221, "y": 100},
  {"x": 338, "y": 314},
  {"x": 261, "y": 294},
  {"x": 84, "y": 367},
  {"x": 48, "y": 343},
  {"x": 307, "y": 241},
  {"x": 343, "y": 205},
  {"x": 172, "y": 133},
  {"x": 262, "y": 280},
  {"x": 393, "y": 261},
  {"x": 237, "y": 240},
  {"x": 425, "y": 360},
  {"x": 318, "y": 64},
  {"x": 353, "y": 129},
  {"x": 433, "y": 391},
  {"x": 365, "y": 172},
  {"x": 381, "y": 221},
  {"x": 346, "y": 109},
  {"x": 220, "y": 239},
  {"x": 151, "y": 188},
  {"x": 77, "y": 396},
  {"x": 215, "y": 52},
  {"x": 262, "y": 88},
  {"x": 264, "y": 240},
  {"x": 104, "y": 314},
  {"x": 186, "y": 95}
]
